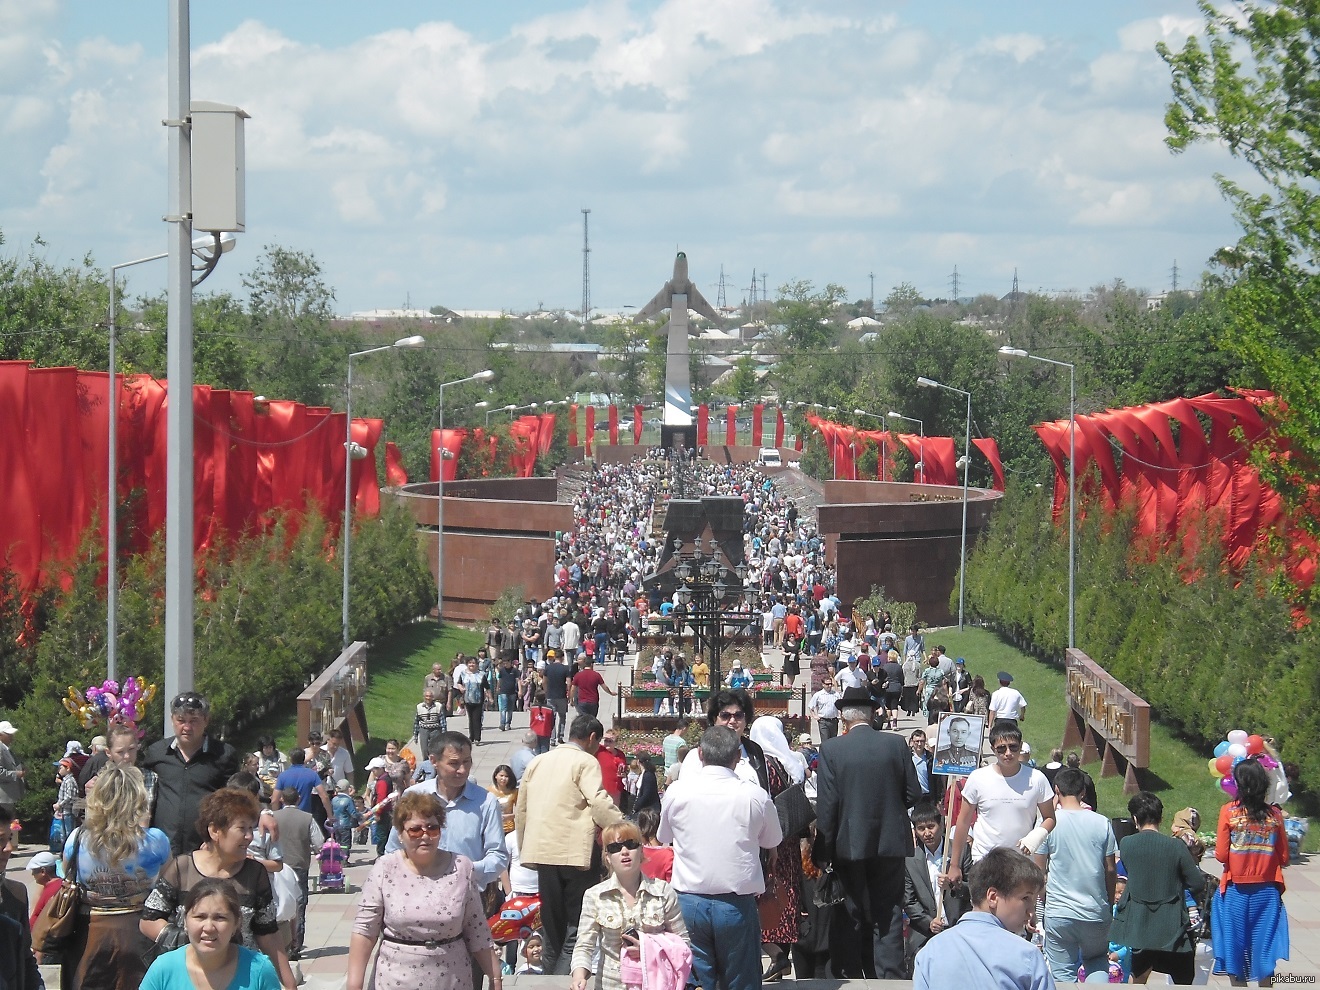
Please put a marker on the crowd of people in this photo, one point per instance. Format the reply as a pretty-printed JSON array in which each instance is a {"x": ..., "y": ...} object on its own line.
[{"x": 747, "y": 858}]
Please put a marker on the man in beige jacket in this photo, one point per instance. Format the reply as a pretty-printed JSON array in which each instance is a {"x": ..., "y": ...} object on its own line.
[{"x": 561, "y": 803}]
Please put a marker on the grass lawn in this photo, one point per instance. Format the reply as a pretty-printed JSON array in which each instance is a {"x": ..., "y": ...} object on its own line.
[
  {"x": 1178, "y": 772},
  {"x": 396, "y": 667}
]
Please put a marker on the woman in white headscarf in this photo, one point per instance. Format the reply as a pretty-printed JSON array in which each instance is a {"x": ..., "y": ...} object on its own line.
[{"x": 768, "y": 733}]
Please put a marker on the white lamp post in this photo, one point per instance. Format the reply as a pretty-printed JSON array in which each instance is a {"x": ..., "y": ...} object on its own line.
[
  {"x": 480, "y": 376},
  {"x": 863, "y": 412},
  {"x": 921, "y": 446},
  {"x": 514, "y": 409},
  {"x": 966, "y": 463},
  {"x": 1017, "y": 352},
  {"x": 355, "y": 452},
  {"x": 491, "y": 412},
  {"x": 208, "y": 251}
]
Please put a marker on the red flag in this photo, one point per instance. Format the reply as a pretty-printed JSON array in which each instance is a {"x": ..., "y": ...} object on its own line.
[
  {"x": 779, "y": 427},
  {"x": 988, "y": 447},
  {"x": 395, "y": 474},
  {"x": 572, "y": 425},
  {"x": 758, "y": 412},
  {"x": 637, "y": 423},
  {"x": 591, "y": 429},
  {"x": 703, "y": 425},
  {"x": 731, "y": 427},
  {"x": 614, "y": 425}
]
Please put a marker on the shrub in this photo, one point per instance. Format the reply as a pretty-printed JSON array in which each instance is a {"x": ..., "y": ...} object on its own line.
[
  {"x": 904, "y": 614},
  {"x": 506, "y": 606}
]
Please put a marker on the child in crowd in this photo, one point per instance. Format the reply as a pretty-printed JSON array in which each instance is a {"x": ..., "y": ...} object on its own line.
[
  {"x": 346, "y": 817},
  {"x": 531, "y": 953},
  {"x": 986, "y": 949}
]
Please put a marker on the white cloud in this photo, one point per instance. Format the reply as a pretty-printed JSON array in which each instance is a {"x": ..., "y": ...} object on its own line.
[{"x": 762, "y": 133}]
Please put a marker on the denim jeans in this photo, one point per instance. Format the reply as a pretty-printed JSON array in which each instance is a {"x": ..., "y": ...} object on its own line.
[
  {"x": 1070, "y": 943},
  {"x": 726, "y": 940},
  {"x": 300, "y": 923},
  {"x": 508, "y": 704}
]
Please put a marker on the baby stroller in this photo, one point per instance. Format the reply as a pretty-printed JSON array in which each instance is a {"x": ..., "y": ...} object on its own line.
[{"x": 331, "y": 860}]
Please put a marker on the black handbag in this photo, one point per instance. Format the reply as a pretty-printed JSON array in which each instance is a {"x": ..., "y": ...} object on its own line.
[
  {"x": 829, "y": 889},
  {"x": 795, "y": 811}
]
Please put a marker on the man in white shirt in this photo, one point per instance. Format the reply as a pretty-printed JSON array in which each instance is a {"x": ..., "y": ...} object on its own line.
[
  {"x": 572, "y": 638},
  {"x": 1005, "y": 798},
  {"x": 822, "y": 708},
  {"x": 718, "y": 826},
  {"x": 851, "y": 676},
  {"x": 1007, "y": 703}
]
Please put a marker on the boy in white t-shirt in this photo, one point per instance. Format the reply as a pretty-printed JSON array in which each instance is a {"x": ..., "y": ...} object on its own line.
[{"x": 1005, "y": 798}]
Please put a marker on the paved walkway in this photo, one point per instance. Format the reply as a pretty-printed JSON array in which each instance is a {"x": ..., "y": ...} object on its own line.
[{"x": 330, "y": 915}]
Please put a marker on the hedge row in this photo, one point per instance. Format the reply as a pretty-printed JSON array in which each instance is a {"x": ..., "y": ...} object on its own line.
[
  {"x": 1210, "y": 649},
  {"x": 268, "y": 619}
]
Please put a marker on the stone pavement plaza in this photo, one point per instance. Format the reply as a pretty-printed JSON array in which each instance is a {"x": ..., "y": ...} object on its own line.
[{"x": 330, "y": 915}]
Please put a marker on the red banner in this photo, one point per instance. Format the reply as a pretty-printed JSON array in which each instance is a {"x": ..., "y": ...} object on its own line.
[
  {"x": 703, "y": 425},
  {"x": 394, "y": 470},
  {"x": 637, "y": 423},
  {"x": 758, "y": 412},
  {"x": 988, "y": 447},
  {"x": 591, "y": 429},
  {"x": 731, "y": 427},
  {"x": 779, "y": 427},
  {"x": 572, "y": 425},
  {"x": 614, "y": 425}
]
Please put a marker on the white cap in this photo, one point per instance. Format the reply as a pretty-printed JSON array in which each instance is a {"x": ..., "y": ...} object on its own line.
[{"x": 7, "y": 728}]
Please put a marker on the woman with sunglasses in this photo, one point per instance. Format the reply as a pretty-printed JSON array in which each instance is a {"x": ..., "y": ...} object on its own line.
[
  {"x": 422, "y": 907},
  {"x": 617, "y": 913}
]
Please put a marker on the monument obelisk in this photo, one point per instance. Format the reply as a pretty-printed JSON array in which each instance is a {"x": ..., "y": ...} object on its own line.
[{"x": 678, "y": 295}]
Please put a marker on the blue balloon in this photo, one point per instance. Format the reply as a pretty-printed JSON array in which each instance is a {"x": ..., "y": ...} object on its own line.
[
  {"x": 1222, "y": 748},
  {"x": 1238, "y": 759}
]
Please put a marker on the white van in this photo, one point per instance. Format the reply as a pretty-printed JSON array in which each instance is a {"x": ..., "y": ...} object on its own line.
[{"x": 769, "y": 457}]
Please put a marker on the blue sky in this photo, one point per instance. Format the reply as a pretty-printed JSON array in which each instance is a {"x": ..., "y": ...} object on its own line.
[{"x": 440, "y": 152}]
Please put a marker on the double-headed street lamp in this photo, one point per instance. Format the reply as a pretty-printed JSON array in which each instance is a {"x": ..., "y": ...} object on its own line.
[
  {"x": 921, "y": 446},
  {"x": 967, "y": 463},
  {"x": 480, "y": 376},
  {"x": 514, "y": 409},
  {"x": 1017, "y": 352},
  {"x": 498, "y": 409},
  {"x": 355, "y": 452},
  {"x": 207, "y": 251}
]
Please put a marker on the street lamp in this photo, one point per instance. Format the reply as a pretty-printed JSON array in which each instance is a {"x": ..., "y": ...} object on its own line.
[
  {"x": 921, "y": 447},
  {"x": 207, "y": 250},
  {"x": 491, "y": 412},
  {"x": 966, "y": 463},
  {"x": 480, "y": 376},
  {"x": 355, "y": 452},
  {"x": 863, "y": 412},
  {"x": 514, "y": 409},
  {"x": 1017, "y": 352}
]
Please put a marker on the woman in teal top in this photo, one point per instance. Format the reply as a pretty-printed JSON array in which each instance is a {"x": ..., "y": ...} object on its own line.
[{"x": 212, "y": 958}]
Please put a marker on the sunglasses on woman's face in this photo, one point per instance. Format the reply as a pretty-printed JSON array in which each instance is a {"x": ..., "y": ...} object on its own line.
[
  {"x": 621, "y": 845},
  {"x": 417, "y": 831}
]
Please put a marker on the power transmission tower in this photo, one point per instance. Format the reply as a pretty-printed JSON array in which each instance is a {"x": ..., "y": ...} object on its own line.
[
  {"x": 1015, "y": 285},
  {"x": 871, "y": 276},
  {"x": 955, "y": 282},
  {"x": 1175, "y": 274},
  {"x": 764, "y": 297},
  {"x": 752, "y": 297},
  {"x": 586, "y": 271},
  {"x": 720, "y": 301}
]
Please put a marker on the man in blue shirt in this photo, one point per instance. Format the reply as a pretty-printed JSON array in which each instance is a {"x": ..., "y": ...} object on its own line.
[
  {"x": 473, "y": 824},
  {"x": 306, "y": 781},
  {"x": 985, "y": 948}
]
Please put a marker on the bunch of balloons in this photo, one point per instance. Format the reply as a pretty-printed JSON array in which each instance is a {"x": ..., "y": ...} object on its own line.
[
  {"x": 108, "y": 702},
  {"x": 1238, "y": 746}
]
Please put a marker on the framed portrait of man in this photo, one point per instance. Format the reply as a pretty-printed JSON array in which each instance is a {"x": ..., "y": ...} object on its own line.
[{"x": 958, "y": 743}]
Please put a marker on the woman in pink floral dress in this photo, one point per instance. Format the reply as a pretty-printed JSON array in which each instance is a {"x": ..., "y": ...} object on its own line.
[{"x": 423, "y": 908}]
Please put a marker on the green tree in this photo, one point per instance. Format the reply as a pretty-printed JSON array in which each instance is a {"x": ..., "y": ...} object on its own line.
[
  {"x": 290, "y": 307},
  {"x": 805, "y": 314},
  {"x": 51, "y": 316},
  {"x": 1249, "y": 81},
  {"x": 902, "y": 298},
  {"x": 743, "y": 383}
]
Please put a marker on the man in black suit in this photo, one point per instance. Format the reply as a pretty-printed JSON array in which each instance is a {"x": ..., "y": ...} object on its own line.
[
  {"x": 923, "y": 870},
  {"x": 866, "y": 782}
]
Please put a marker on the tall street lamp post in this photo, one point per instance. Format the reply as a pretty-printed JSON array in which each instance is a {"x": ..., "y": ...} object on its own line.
[
  {"x": 480, "y": 376},
  {"x": 354, "y": 452},
  {"x": 863, "y": 412},
  {"x": 967, "y": 463},
  {"x": 921, "y": 446},
  {"x": 1017, "y": 352},
  {"x": 206, "y": 250}
]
